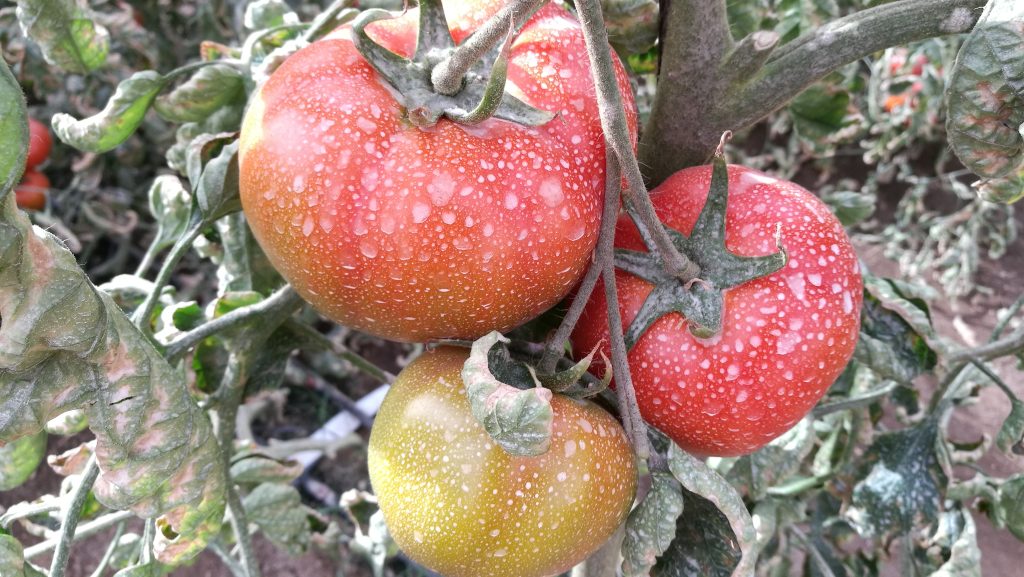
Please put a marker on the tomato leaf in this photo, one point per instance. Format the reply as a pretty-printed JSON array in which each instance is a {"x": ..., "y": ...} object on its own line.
[
  {"x": 254, "y": 468},
  {"x": 12, "y": 558},
  {"x": 851, "y": 207},
  {"x": 1011, "y": 503},
  {"x": 13, "y": 132},
  {"x": 897, "y": 340},
  {"x": 118, "y": 120},
  {"x": 213, "y": 171},
  {"x": 570, "y": 381},
  {"x": 716, "y": 535},
  {"x": 67, "y": 424},
  {"x": 279, "y": 512},
  {"x": 1005, "y": 190},
  {"x": 170, "y": 204},
  {"x": 207, "y": 91},
  {"x": 775, "y": 462},
  {"x": 66, "y": 345},
  {"x": 261, "y": 14},
  {"x": 632, "y": 25},
  {"x": 67, "y": 34},
  {"x": 19, "y": 459},
  {"x": 151, "y": 569},
  {"x": 900, "y": 482},
  {"x": 1011, "y": 434},
  {"x": 518, "y": 420},
  {"x": 964, "y": 554},
  {"x": 985, "y": 93},
  {"x": 820, "y": 111},
  {"x": 651, "y": 526}
]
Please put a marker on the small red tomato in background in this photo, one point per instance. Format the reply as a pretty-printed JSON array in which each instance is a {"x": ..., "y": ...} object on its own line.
[
  {"x": 39, "y": 144},
  {"x": 30, "y": 194},
  {"x": 414, "y": 234},
  {"x": 457, "y": 503},
  {"x": 785, "y": 337}
]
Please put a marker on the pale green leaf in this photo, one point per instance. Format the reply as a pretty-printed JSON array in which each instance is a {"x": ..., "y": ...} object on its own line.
[
  {"x": 209, "y": 89},
  {"x": 66, "y": 32},
  {"x": 119, "y": 118},
  {"x": 278, "y": 510},
  {"x": 20, "y": 458}
]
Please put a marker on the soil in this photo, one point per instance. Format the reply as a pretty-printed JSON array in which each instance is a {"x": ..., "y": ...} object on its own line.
[{"x": 1001, "y": 552}]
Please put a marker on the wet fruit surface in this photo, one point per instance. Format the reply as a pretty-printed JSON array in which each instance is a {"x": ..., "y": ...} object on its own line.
[
  {"x": 785, "y": 338},
  {"x": 459, "y": 504},
  {"x": 416, "y": 234}
]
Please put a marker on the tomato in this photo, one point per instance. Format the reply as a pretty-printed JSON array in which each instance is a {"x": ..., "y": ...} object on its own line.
[
  {"x": 457, "y": 503},
  {"x": 417, "y": 234},
  {"x": 785, "y": 337},
  {"x": 30, "y": 194},
  {"x": 39, "y": 144}
]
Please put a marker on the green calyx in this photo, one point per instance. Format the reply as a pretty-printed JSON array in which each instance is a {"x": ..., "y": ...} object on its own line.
[
  {"x": 701, "y": 301},
  {"x": 482, "y": 93}
]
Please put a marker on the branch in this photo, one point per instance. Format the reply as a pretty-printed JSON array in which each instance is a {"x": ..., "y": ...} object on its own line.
[
  {"x": 71, "y": 516},
  {"x": 710, "y": 96},
  {"x": 1006, "y": 346}
]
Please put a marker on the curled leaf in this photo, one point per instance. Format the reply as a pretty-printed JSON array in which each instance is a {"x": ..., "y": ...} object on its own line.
[
  {"x": 1011, "y": 434},
  {"x": 651, "y": 526},
  {"x": 518, "y": 420},
  {"x": 119, "y": 118},
  {"x": 985, "y": 94},
  {"x": 72, "y": 461},
  {"x": 210, "y": 88},
  {"x": 67, "y": 424},
  {"x": 66, "y": 32},
  {"x": 570, "y": 381},
  {"x": 1011, "y": 502}
]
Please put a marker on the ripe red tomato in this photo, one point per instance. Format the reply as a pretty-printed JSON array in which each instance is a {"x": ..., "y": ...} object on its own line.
[
  {"x": 416, "y": 234},
  {"x": 459, "y": 504},
  {"x": 785, "y": 337},
  {"x": 39, "y": 144},
  {"x": 30, "y": 194}
]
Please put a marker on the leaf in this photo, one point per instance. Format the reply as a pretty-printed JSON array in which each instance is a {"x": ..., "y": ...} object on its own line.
[
  {"x": 67, "y": 424},
  {"x": 19, "y": 459},
  {"x": 819, "y": 111},
  {"x": 13, "y": 132},
  {"x": 775, "y": 462},
  {"x": 901, "y": 486},
  {"x": 210, "y": 88},
  {"x": 897, "y": 340},
  {"x": 279, "y": 512},
  {"x": 1004, "y": 190},
  {"x": 12, "y": 558},
  {"x": 651, "y": 526},
  {"x": 715, "y": 537},
  {"x": 518, "y": 420},
  {"x": 985, "y": 93},
  {"x": 260, "y": 14},
  {"x": 118, "y": 120},
  {"x": 243, "y": 266},
  {"x": 632, "y": 25},
  {"x": 72, "y": 461},
  {"x": 66, "y": 33},
  {"x": 170, "y": 205},
  {"x": 64, "y": 345},
  {"x": 1011, "y": 434},
  {"x": 151, "y": 569},
  {"x": 213, "y": 170},
  {"x": 570, "y": 381},
  {"x": 851, "y": 207},
  {"x": 254, "y": 469},
  {"x": 964, "y": 556},
  {"x": 1011, "y": 501}
]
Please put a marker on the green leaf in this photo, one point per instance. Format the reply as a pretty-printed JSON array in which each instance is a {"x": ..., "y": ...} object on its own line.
[
  {"x": 518, "y": 420},
  {"x": 261, "y": 14},
  {"x": 632, "y": 25},
  {"x": 67, "y": 346},
  {"x": 651, "y": 526},
  {"x": 244, "y": 266},
  {"x": 20, "y": 458},
  {"x": 819, "y": 111},
  {"x": 897, "y": 340},
  {"x": 570, "y": 381},
  {"x": 12, "y": 558},
  {"x": 213, "y": 170},
  {"x": 1011, "y": 434},
  {"x": 1004, "y": 190},
  {"x": 964, "y": 556},
  {"x": 715, "y": 537},
  {"x": 118, "y": 120},
  {"x": 67, "y": 424},
  {"x": 279, "y": 512},
  {"x": 151, "y": 569},
  {"x": 775, "y": 462},
  {"x": 13, "y": 132},
  {"x": 985, "y": 93},
  {"x": 1011, "y": 501},
  {"x": 66, "y": 33},
  {"x": 254, "y": 469},
  {"x": 851, "y": 207},
  {"x": 900, "y": 482},
  {"x": 210, "y": 88},
  {"x": 170, "y": 205}
]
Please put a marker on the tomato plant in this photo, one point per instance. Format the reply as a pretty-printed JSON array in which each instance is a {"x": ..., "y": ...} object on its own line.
[
  {"x": 786, "y": 336},
  {"x": 423, "y": 233},
  {"x": 30, "y": 193},
  {"x": 458, "y": 503},
  {"x": 39, "y": 144}
]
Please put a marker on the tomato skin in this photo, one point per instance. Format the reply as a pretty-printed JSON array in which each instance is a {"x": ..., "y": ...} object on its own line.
[
  {"x": 412, "y": 234},
  {"x": 457, "y": 503},
  {"x": 785, "y": 338},
  {"x": 39, "y": 144},
  {"x": 30, "y": 194}
]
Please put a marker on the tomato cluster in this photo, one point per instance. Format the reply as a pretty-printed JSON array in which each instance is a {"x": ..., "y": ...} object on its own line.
[{"x": 30, "y": 193}]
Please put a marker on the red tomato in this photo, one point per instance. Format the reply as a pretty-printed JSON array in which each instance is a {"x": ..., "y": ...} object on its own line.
[
  {"x": 785, "y": 337},
  {"x": 30, "y": 194},
  {"x": 39, "y": 144},
  {"x": 456, "y": 502},
  {"x": 416, "y": 234}
]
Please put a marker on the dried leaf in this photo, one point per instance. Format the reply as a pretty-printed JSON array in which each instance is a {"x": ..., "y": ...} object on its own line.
[{"x": 66, "y": 32}]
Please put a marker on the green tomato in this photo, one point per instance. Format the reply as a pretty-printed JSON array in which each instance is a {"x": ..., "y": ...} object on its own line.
[{"x": 457, "y": 503}]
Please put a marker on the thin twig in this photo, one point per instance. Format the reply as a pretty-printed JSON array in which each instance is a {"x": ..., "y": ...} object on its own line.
[
  {"x": 84, "y": 530},
  {"x": 855, "y": 402},
  {"x": 284, "y": 299},
  {"x": 347, "y": 354},
  {"x": 141, "y": 318},
  {"x": 72, "y": 514},
  {"x": 102, "y": 566},
  {"x": 616, "y": 131},
  {"x": 1000, "y": 348}
]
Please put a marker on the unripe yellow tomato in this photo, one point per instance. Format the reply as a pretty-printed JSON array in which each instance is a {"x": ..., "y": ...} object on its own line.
[{"x": 457, "y": 503}]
